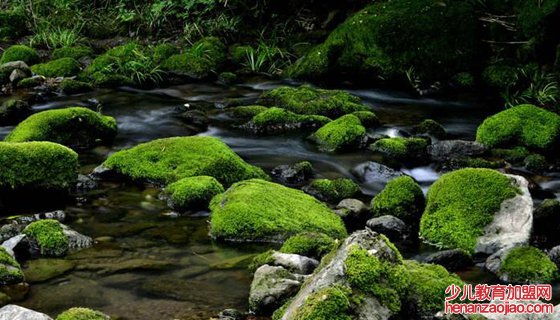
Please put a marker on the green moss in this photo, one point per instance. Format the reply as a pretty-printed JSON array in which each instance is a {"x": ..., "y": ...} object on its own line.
[
  {"x": 331, "y": 303},
  {"x": 63, "y": 67},
  {"x": 20, "y": 53},
  {"x": 246, "y": 112},
  {"x": 535, "y": 163},
  {"x": 430, "y": 127},
  {"x": 342, "y": 133},
  {"x": 257, "y": 210},
  {"x": 170, "y": 159},
  {"x": 278, "y": 119},
  {"x": 402, "y": 198},
  {"x": 71, "y": 86},
  {"x": 31, "y": 82},
  {"x": 81, "y": 314},
  {"x": 333, "y": 191},
  {"x": 12, "y": 24},
  {"x": 104, "y": 80},
  {"x": 461, "y": 204},
  {"x": 514, "y": 155},
  {"x": 500, "y": 76},
  {"x": 49, "y": 236},
  {"x": 528, "y": 265},
  {"x": 525, "y": 125},
  {"x": 10, "y": 270},
  {"x": 260, "y": 260},
  {"x": 310, "y": 244},
  {"x": 307, "y": 100},
  {"x": 74, "y": 127},
  {"x": 403, "y": 149},
  {"x": 163, "y": 51},
  {"x": 193, "y": 192},
  {"x": 367, "y": 118},
  {"x": 204, "y": 58},
  {"x": 74, "y": 52},
  {"x": 37, "y": 166}
]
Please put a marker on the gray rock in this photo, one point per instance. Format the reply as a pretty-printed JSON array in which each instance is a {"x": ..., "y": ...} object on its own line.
[
  {"x": 85, "y": 183},
  {"x": 375, "y": 175},
  {"x": 17, "y": 75},
  {"x": 271, "y": 287},
  {"x": 11, "y": 243},
  {"x": 351, "y": 207},
  {"x": 554, "y": 255},
  {"x": 294, "y": 262},
  {"x": 13, "y": 312},
  {"x": 452, "y": 260},
  {"x": 293, "y": 174},
  {"x": 195, "y": 118},
  {"x": 231, "y": 314},
  {"x": 447, "y": 149},
  {"x": 76, "y": 240},
  {"x": 494, "y": 263},
  {"x": 7, "y": 68},
  {"x": 394, "y": 228}
]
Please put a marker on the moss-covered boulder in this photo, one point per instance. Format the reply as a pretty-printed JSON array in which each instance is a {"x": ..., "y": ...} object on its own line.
[
  {"x": 343, "y": 133},
  {"x": 278, "y": 120},
  {"x": 76, "y": 127},
  {"x": 10, "y": 270},
  {"x": 79, "y": 313},
  {"x": 401, "y": 149},
  {"x": 522, "y": 126},
  {"x": 257, "y": 210},
  {"x": 193, "y": 193},
  {"x": 367, "y": 118},
  {"x": 430, "y": 127},
  {"x": 434, "y": 40},
  {"x": 332, "y": 191},
  {"x": 460, "y": 204},
  {"x": 49, "y": 236},
  {"x": 309, "y": 244},
  {"x": 402, "y": 198},
  {"x": 204, "y": 58},
  {"x": 14, "y": 72},
  {"x": 20, "y": 53},
  {"x": 71, "y": 86},
  {"x": 308, "y": 100},
  {"x": 167, "y": 160},
  {"x": 63, "y": 67},
  {"x": 13, "y": 111},
  {"x": 245, "y": 112},
  {"x": 74, "y": 52},
  {"x": 527, "y": 265},
  {"x": 39, "y": 166}
]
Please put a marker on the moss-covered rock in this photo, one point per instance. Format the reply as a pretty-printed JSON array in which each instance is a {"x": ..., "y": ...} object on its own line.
[
  {"x": 331, "y": 303},
  {"x": 536, "y": 163},
  {"x": 307, "y": 100},
  {"x": 402, "y": 198},
  {"x": 49, "y": 236},
  {"x": 163, "y": 51},
  {"x": 367, "y": 118},
  {"x": 401, "y": 149},
  {"x": 528, "y": 265},
  {"x": 500, "y": 76},
  {"x": 343, "y": 133},
  {"x": 31, "y": 82},
  {"x": 430, "y": 127},
  {"x": 20, "y": 53},
  {"x": 332, "y": 191},
  {"x": 71, "y": 86},
  {"x": 525, "y": 125},
  {"x": 170, "y": 159},
  {"x": 13, "y": 111},
  {"x": 63, "y": 67},
  {"x": 278, "y": 120},
  {"x": 514, "y": 155},
  {"x": 10, "y": 270},
  {"x": 76, "y": 127},
  {"x": 310, "y": 244},
  {"x": 257, "y": 210},
  {"x": 204, "y": 58},
  {"x": 246, "y": 112},
  {"x": 74, "y": 52},
  {"x": 81, "y": 314},
  {"x": 37, "y": 166},
  {"x": 193, "y": 192},
  {"x": 460, "y": 204}
]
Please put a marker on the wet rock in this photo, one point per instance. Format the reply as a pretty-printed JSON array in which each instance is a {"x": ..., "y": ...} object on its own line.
[
  {"x": 293, "y": 174},
  {"x": 17, "y": 75},
  {"x": 452, "y": 260},
  {"x": 195, "y": 118},
  {"x": 293, "y": 262},
  {"x": 12, "y": 243},
  {"x": 8, "y": 68},
  {"x": 447, "y": 149},
  {"x": 431, "y": 128},
  {"x": 45, "y": 269},
  {"x": 353, "y": 211},
  {"x": 271, "y": 287},
  {"x": 13, "y": 312},
  {"x": 76, "y": 240},
  {"x": 13, "y": 111},
  {"x": 554, "y": 255},
  {"x": 231, "y": 314},
  {"x": 101, "y": 172},
  {"x": 373, "y": 172},
  {"x": 394, "y": 228},
  {"x": 85, "y": 183}
]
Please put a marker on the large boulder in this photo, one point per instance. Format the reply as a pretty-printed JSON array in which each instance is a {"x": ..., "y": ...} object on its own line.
[
  {"x": 167, "y": 160},
  {"x": 14, "y": 312},
  {"x": 257, "y": 210},
  {"x": 477, "y": 210}
]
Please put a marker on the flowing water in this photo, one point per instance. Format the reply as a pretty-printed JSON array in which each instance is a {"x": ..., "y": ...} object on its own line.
[{"x": 149, "y": 263}]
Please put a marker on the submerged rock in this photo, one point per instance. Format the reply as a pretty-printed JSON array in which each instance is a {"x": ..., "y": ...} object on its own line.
[
  {"x": 271, "y": 287},
  {"x": 13, "y": 312},
  {"x": 375, "y": 174}
]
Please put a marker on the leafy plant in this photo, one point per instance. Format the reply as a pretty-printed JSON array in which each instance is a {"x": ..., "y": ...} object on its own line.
[
  {"x": 266, "y": 59},
  {"x": 56, "y": 37},
  {"x": 533, "y": 85}
]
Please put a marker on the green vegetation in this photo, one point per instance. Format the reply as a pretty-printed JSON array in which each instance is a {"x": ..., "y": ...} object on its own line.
[
  {"x": 20, "y": 53},
  {"x": 278, "y": 119},
  {"x": 10, "y": 270},
  {"x": 76, "y": 127},
  {"x": 536, "y": 163},
  {"x": 402, "y": 198},
  {"x": 246, "y": 112},
  {"x": 525, "y": 125},
  {"x": 430, "y": 127},
  {"x": 12, "y": 24},
  {"x": 344, "y": 132},
  {"x": 460, "y": 204},
  {"x": 402, "y": 149},
  {"x": 528, "y": 265},
  {"x": 333, "y": 191},
  {"x": 31, "y": 82},
  {"x": 71, "y": 86},
  {"x": 81, "y": 314},
  {"x": 168, "y": 160},
  {"x": 193, "y": 192},
  {"x": 63, "y": 67},
  {"x": 49, "y": 236},
  {"x": 328, "y": 303},
  {"x": 163, "y": 51},
  {"x": 367, "y": 118},
  {"x": 514, "y": 155},
  {"x": 257, "y": 210},
  {"x": 309, "y": 244},
  {"x": 204, "y": 58},
  {"x": 74, "y": 52}
]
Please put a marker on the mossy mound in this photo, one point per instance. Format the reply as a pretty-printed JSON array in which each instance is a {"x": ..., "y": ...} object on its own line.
[
  {"x": 76, "y": 127},
  {"x": 74, "y": 52},
  {"x": 331, "y": 303},
  {"x": 528, "y": 265},
  {"x": 37, "y": 166},
  {"x": 204, "y": 58},
  {"x": 461, "y": 204},
  {"x": 277, "y": 120},
  {"x": 307, "y": 100},
  {"x": 81, "y": 314},
  {"x": 193, "y": 192},
  {"x": 310, "y": 244},
  {"x": 434, "y": 39},
  {"x": 514, "y": 155},
  {"x": 10, "y": 270},
  {"x": 332, "y": 191},
  {"x": 343, "y": 133},
  {"x": 402, "y": 198},
  {"x": 71, "y": 86},
  {"x": 12, "y": 24},
  {"x": 536, "y": 163},
  {"x": 257, "y": 210},
  {"x": 31, "y": 82},
  {"x": 50, "y": 237},
  {"x": 170, "y": 159},
  {"x": 401, "y": 149},
  {"x": 525, "y": 125},
  {"x": 367, "y": 118},
  {"x": 63, "y": 67},
  {"x": 20, "y": 53},
  {"x": 246, "y": 112},
  {"x": 430, "y": 127}
]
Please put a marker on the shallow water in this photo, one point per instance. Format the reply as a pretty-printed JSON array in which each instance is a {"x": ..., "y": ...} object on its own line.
[{"x": 150, "y": 264}]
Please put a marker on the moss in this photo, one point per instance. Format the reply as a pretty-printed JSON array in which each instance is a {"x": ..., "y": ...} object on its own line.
[
  {"x": 279, "y": 120},
  {"x": 204, "y": 58},
  {"x": 74, "y": 52},
  {"x": 193, "y": 192},
  {"x": 12, "y": 24},
  {"x": 49, "y": 236},
  {"x": 367, "y": 118},
  {"x": 514, "y": 155},
  {"x": 104, "y": 80},
  {"x": 246, "y": 112},
  {"x": 37, "y": 166},
  {"x": 170, "y": 159},
  {"x": 333, "y": 191},
  {"x": 238, "y": 54},
  {"x": 260, "y": 260},
  {"x": 257, "y": 210},
  {"x": 331, "y": 303},
  {"x": 63, "y": 67},
  {"x": 525, "y": 125},
  {"x": 430, "y": 127},
  {"x": 81, "y": 314},
  {"x": 20, "y": 53},
  {"x": 342, "y": 133},
  {"x": 163, "y": 51},
  {"x": 461, "y": 204},
  {"x": 402, "y": 149},
  {"x": 307, "y": 100},
  {"x": 402, "y": 198},
  {"x": 500, "y": 76},
  {"x": 310, "y": 244},
  {"x": 10, "y": 270},
  {"x": 71, "y": 86},
  {"x": 31, "y": 82},
  {"x": 74, "y": 127},
  {"x": 535, "y": 163},
  {"x": 465, "y": 162},
  {"x": 528, "y": 265}
]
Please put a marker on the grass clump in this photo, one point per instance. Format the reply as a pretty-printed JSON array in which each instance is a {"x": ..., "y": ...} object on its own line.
[
  {"x": 204, "y": 58},
  {"x": 342, "y": 133},
  {"x": 49, "y": 236},
  {"x": 193, "y": 192},
  {"x": 310, "y": 244},
  {"x": 10, "y": 270},
  {"x": 402, "y": 149},
  {"x": 333, "y": 191},
  {"x": 528, "y": 265},
  {"x": 81, "y": 314},
  {"x": 74, "y": 52},
  {"x": 20, "y": 53},
  {"x": 168, "y": 160},
  {"x": 402, "y": 198},
  {"x": 63, "y": 67},
  {"x": 461, "y": 204},
  {"x": 257, "y": 210}
]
